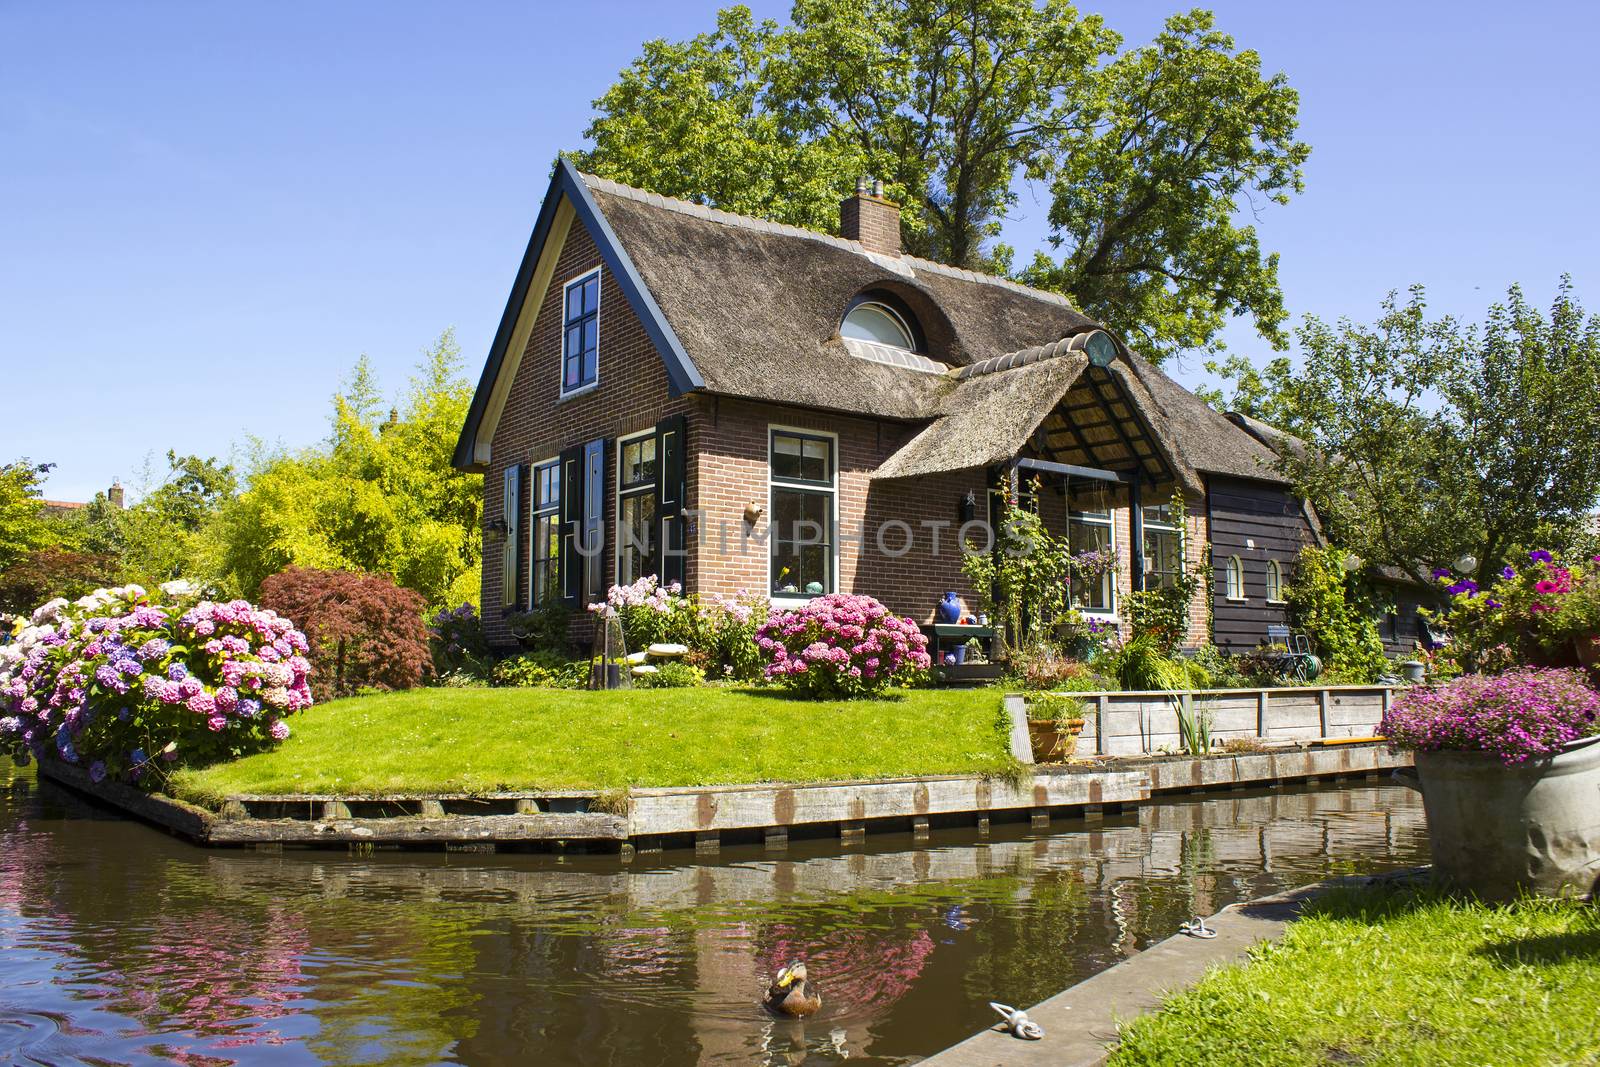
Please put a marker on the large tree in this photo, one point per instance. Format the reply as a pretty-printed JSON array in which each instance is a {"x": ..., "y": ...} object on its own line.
[
  {"x": 1149, "y": 154},
  {"x": 1427, "y": 440},
  {"x": 379, "y": 496}
]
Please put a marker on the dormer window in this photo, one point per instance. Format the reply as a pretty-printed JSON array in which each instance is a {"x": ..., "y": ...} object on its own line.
[
  {"x": 879, "y": 328},
  {"x": 580, "y": 335},
  {"x": 877, "y": 322}
]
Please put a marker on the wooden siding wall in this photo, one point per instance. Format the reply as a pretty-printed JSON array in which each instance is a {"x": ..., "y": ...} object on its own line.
[
  {"x": 1401, "y": 630},
  {"x": 1256, "y": 521}
]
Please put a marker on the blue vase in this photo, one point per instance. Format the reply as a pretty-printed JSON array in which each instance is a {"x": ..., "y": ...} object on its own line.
[{"x": 948, "y": 609}]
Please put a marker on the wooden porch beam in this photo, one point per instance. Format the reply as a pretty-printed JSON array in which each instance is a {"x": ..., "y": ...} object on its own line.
[{"x": 1071, "y": 470}]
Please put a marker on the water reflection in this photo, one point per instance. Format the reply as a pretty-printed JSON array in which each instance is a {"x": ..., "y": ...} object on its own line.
[{"x": 120, "y": 944}]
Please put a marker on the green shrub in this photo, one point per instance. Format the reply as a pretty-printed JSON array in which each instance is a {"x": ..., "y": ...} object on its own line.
[
  {"x": 1140, "y": 664},
  {"x": 544, "y": 670},
  {"x": 1324, "y": 601},
  {"x": 672, "y": 676},
  {"x": 544, "y": 629}
]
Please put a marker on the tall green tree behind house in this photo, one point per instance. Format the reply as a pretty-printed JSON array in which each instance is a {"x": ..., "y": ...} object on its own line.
[
  {"x": 1427, "y": 439},
  {"x": 1149, "y": 154},
  {"x": 380, "y": 495}
]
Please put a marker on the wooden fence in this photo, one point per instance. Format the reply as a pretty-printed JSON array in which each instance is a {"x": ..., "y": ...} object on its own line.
[{"x": 1131, "y": 723}]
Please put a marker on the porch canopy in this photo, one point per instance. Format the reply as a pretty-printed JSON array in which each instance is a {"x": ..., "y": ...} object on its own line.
[{"x": 1049, "y": 411}]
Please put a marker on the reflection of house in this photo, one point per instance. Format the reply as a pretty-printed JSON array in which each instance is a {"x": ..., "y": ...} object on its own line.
[{"x": 676, "y": 390}]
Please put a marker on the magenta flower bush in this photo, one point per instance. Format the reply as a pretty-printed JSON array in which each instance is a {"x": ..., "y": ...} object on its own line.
[
  {"x": 1517, "y": 716},
  {"x": 841, "y": 645},
  {"x": 123, "y": 682}
]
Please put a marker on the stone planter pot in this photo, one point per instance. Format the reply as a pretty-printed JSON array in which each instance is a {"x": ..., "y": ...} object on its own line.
[
  {"x": 1053, "y": 742},
  {"x": 1500, "y": 831}
]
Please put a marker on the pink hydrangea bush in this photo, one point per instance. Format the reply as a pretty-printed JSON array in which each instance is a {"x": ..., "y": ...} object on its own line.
[
  {"x": 123, "y": 681},
  {"x": 1517, "y": 716},
  {"x": 842, "y": 645}
]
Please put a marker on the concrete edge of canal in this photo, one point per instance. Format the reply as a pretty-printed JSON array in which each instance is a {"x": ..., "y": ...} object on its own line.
[
  {"x": 1081, "y": 1023},
  {"x": 705, "y": 818}
]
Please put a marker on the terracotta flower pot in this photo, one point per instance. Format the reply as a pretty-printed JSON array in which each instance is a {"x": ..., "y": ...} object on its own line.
[{"x": 1053, "y": 742}]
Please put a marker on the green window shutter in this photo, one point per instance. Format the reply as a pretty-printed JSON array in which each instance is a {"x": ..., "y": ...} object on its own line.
[{"x": 511, "y": 515}]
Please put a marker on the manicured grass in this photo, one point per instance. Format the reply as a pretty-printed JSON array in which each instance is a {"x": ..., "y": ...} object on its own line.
[
  {"x": 470, "y": 740},
  {"x": 1395, "y": 976}
]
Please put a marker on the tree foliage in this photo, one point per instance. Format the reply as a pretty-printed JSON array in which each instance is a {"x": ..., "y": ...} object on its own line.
[
  {"x": 45, "y": 573},
  {"x": 365, "y": 632},
  {"x": 1427, "y": 439},
  {"x": 1149, "y": 153},
  {"x": 380, "y": 496},
  {"x": 24, "y": 526}
]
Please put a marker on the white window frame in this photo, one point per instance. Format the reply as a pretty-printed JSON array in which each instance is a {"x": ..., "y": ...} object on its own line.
[
  {"x": 778, "y": 599},
  {"x": 535, "y": 513},
  {"x": 893, "y": 316},
  {"x": 638, "y": 490},
  {"x": 1145, "y": 525},
  {"x": 1109, "y": 612},
  {"x": 566, "y": 288},
  {"x": 1230, "y": 591},
  {"x": 1275, "y": 582}
]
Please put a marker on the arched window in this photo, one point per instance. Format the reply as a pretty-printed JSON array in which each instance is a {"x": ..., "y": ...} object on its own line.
[
  {"x": 1234, "y": 587},
  {"x": 876, "y": 321},
  {"x": 1274, "y": 581}
]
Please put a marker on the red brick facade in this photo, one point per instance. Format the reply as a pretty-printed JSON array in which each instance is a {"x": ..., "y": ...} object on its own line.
[{"x": 727, "y": 471}]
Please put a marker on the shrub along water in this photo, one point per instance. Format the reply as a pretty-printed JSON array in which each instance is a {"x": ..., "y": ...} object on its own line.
[{"x": 124, "y": 682}]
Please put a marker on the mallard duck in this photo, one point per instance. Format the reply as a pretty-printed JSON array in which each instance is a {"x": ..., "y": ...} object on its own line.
[{"x": 791, "y": 994}]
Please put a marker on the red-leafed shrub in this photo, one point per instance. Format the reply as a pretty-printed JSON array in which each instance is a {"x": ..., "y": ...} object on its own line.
[{"x": 365, "y": 631}]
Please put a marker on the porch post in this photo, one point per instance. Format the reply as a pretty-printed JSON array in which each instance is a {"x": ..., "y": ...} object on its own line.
[{"x": 1136, "y": 530}]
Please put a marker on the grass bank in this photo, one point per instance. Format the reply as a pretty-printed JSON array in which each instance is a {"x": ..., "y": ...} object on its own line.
[
  {"x": 471, "y": 740},
  {"x": 1395, "y": 976}
]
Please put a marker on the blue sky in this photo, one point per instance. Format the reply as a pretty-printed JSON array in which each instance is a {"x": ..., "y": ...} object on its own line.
[{"x": 211, "y": 210}]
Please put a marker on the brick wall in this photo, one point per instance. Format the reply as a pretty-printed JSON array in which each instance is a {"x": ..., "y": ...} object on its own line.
[
  {"x": 873, "y": 221},
  {"x": 632, "y": 395},
  {"x": 730, "y": 452}
]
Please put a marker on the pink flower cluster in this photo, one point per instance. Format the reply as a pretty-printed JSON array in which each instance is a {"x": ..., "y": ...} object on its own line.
[
  {"x": 121, "y": 677},
  {"x": 1517, "y": 716},
  {"x": 647, "y": 592},
  {"x": 841, "y": 645}
]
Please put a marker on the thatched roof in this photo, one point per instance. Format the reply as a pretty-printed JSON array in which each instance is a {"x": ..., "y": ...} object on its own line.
[{"x": 748, "y": 308}]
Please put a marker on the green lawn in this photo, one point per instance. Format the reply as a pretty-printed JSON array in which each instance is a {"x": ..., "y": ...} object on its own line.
[
  {"x": 469, "y": 740},
  {"x": 1395, "y": 976}
]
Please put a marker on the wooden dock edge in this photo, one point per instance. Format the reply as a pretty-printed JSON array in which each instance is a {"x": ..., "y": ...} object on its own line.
[{"x": 704, "y": 817}]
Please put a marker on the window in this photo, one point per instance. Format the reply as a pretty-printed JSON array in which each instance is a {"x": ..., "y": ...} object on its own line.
[
  {"x": 1233, "y": 582},
  {"x": 1089, "y": 530},
  {"x": 580, "y": 338},
  {"x": 802, "y": 469},
  {"x": 545, "y": 513},
  {"x": 1163, "y": 547},
  {"x": 876, "y": 321},
  {"x": 510, "y": 510},
  {"x": 638, "y": 547},
  {"x": 1274, "y": 581}
]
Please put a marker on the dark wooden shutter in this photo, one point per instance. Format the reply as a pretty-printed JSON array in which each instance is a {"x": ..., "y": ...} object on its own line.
[
  {"x": 594, "y": 519},
  {"x": 571, "y": 564},
  {"x": 510, "y": 548},
  {"x": 671, "y": 488}
]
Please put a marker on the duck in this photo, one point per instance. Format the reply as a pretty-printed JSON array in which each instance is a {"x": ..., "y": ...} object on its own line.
[{"x": 791, "y": 994}]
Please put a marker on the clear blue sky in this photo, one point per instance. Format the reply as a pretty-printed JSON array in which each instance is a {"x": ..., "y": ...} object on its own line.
[{"x": 210, "y": 210}]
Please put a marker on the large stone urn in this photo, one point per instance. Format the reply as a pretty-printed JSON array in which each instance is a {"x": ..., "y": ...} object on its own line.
[{"x": 1501, "y": 831}]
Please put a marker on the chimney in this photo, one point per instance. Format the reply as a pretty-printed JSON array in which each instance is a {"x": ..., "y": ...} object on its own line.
[
  {"x": 869, "y": 218},
  {"x": 115, "y": 495}
]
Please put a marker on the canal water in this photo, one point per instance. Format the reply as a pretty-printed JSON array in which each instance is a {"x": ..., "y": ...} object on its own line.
[{"x": 121, "y": 945}]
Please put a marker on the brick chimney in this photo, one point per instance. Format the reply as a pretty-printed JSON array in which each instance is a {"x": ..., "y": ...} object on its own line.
[
  {"x": 871, "y": 219},
  {"x": 115, "y": 496}
]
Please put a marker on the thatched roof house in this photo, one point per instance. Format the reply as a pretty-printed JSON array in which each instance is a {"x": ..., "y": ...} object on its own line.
[{"x": 737, "y": 404}]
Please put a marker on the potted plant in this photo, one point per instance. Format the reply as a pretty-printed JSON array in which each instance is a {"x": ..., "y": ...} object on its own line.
[
  {"x": 1054, "y": 722},
  {"x": 1509, "y": 768}
]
